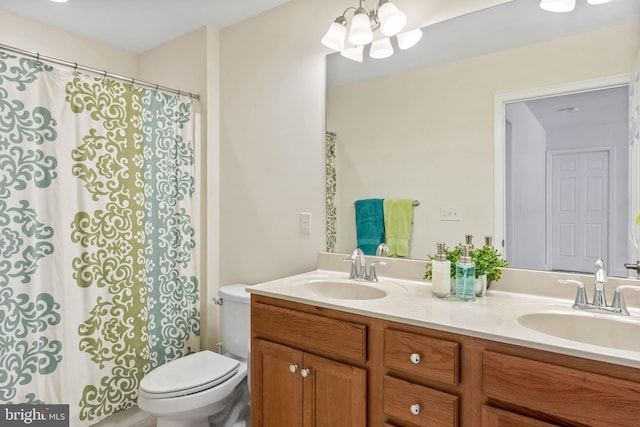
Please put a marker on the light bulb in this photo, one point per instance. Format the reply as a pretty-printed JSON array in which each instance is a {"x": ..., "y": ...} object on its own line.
[
  {"x": 334, "y": 39},
  {"x": 392, "y": 19},
  {"x": 353, "y": 53},
  {"x": 409, "y": 38},
  {"x": 558, "y": 5},
  {"x": 381, "y": 48},
  {"x": 360, "y": 32}
]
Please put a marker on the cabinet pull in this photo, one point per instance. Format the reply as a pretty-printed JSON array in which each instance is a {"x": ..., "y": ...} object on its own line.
[
  {"x": 415, "y": 409},
  {"x": 415, "y": 358},
  {"x": 293, "y": 368},
  {"x": 305, "y": 373}
]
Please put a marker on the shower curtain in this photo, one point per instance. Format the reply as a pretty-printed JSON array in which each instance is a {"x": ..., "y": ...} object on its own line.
[{"x": 98, "y": 280}]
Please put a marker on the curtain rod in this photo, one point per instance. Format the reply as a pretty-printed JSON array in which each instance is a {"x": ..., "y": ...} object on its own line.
[{"x": 76, "y": 66}]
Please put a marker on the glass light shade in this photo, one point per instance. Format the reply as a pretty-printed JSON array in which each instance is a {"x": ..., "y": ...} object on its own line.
[
  {"x": 381, "y": 48},
  {"x": 409, "y": 38},
  {"x": 392, "y": 19},
  {"x": 360, "y": 32},
  {"x": 334, "y": 39},
  {"x": 353, "y": 53},
  {"x": 558, "y": 5},
  {"x": 598, "y": 1}
]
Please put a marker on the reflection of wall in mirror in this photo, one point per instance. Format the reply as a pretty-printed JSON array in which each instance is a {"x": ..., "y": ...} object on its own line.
[{"x": 428, "y": 134}]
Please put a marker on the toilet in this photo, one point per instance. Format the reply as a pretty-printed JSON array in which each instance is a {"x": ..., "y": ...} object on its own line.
[{"x": 205, "y": 388}]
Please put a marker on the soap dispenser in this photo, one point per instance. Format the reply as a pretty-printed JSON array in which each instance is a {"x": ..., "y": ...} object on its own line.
[
  {"x": 440, "y": 273},
  {"x": 465, "y": 275}
]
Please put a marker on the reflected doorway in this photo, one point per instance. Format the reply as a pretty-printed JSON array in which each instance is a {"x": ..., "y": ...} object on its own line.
[{"x": 567, "y": 181}]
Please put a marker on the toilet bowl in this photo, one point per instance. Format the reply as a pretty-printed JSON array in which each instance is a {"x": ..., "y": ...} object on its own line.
[{"x": 186, "y": 392}]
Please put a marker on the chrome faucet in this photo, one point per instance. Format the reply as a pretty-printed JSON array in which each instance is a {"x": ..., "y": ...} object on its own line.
[
  {"x": 356, "y": 257},
  {"x": 600, "y": 278},
  {"x": 618, "y": 299},
  {"x": 359, "y": 266},
  {"x": 599, "y": 301}
]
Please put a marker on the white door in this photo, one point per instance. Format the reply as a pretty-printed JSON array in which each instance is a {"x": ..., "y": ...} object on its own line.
[{"x": 579, "y": 209}]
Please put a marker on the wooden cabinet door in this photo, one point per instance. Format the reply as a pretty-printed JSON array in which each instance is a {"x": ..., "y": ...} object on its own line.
[
  {"x": 335, "y": 394},
  {"x": 276, "y": 390},
  {"x": 493, "y": 417}
]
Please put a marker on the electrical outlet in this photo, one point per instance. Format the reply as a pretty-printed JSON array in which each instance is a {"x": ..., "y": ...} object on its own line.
[
  {"x": 449, "y": 214},
  {"x": 305, "y": 223}
]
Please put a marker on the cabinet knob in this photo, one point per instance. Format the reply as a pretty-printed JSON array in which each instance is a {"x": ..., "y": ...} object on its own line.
[
  {"x": 415, "y": 409},
  {"x": 415, "y": 358},
  {"x": 293, "y": 368},
  {"x": 305, "y": 373}
]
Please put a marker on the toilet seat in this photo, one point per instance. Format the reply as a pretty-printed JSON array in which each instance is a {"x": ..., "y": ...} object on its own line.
[{"x": 189, "y": 374}]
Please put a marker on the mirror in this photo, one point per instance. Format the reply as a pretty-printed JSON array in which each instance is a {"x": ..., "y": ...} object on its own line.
[{"x": 421, "y": 124}]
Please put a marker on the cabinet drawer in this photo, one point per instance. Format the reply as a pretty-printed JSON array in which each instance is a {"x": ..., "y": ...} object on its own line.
[
  {"x": 316, "y": 334},
  {"x": 439, "y": 359},
  {"x": 493, "y": 417},
  {"x": 569, "y": 394},
  {"x": 436, "y": 408}
]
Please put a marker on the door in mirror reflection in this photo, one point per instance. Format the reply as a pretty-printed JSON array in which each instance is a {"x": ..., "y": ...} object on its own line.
[{"x": 566, "y": 169}]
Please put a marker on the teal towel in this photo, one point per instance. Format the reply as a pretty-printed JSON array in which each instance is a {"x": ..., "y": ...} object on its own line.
[
  {"x": 369, "y": 225},
  {"x": 398, "y": 217}
]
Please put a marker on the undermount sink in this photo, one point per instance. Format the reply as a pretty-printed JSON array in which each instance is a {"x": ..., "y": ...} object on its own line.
[
  {"x": 602, "y": 330},
  {"x": 342, "y": 289}
]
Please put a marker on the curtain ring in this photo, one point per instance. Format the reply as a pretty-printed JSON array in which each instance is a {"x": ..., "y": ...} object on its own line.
[
  {"x": 157, "y": 86},
  {"x": 75, "y": 69},
  {"x": 38, "y": 62},
  {"x": 132, "y": 82}
]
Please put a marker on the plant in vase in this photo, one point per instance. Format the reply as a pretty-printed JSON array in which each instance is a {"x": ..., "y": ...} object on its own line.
[
  {"x": 488, "y": 263},
  {"x": 488, "y": 266}
]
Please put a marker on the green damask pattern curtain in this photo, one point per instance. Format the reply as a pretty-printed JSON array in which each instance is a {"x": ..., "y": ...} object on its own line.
[{"x": 98, "y": 280}]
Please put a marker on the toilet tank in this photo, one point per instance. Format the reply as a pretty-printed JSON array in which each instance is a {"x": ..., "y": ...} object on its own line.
[{"x": 235, "y": 313}]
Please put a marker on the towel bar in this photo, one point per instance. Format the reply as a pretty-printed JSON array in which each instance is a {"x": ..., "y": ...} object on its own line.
[{"x": 415, "y": 203}]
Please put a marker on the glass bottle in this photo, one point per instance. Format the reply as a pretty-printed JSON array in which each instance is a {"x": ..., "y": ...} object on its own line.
[
  {"x": 440, "y": 273},
  {"x": 465, "y": 275}
]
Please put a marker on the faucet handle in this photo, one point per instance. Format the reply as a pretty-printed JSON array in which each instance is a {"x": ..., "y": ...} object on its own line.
[
  {"x": 373, "y": 276},
  {"x": 618, "y": 304},
  {"x": 354, "y": 270},
  {"x": 581, "y": 295}
]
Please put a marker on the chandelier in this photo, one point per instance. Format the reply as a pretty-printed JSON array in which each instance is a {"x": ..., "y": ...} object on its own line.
[
  {"x": 565, "y": 5},
  {"x": 349, "y": 38}
]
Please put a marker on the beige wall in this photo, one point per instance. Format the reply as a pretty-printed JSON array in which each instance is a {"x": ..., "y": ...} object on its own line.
[{"x": 428, "y": 134}]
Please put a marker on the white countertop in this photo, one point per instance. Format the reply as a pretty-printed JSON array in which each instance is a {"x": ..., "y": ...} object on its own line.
[{"x": 492, "y": 317}]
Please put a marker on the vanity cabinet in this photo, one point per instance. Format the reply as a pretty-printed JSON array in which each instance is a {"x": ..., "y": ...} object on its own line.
[
  {"x": 293, "y": 387},
  {"x": 366, "y": 371},
  {"x": 561, "y": 392},
  {"x": 419, "y": 357},
  {"x": 493, "y": 417}
]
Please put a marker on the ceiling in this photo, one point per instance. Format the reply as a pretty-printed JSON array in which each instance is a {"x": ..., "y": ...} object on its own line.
[
  {"x": 137, "y": 25},
  {"x": 596, "y": 107},
  {"x": 512, "y": 24}
]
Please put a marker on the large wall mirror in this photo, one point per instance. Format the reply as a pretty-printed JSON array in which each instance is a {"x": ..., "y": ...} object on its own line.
[{"x": 453, "y": 123}]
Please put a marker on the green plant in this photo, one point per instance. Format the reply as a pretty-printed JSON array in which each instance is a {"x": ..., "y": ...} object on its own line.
[{"x": 488, "y": 261}]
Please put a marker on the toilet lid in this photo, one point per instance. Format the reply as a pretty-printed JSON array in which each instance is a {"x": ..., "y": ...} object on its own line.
[{"x": 189, "y": 374}]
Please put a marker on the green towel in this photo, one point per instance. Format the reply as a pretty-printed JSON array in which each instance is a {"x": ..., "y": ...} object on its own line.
[{"x": 398, "y": 217}]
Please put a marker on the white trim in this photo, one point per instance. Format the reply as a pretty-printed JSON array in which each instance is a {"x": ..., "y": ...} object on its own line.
[{"x": 499, "y": 102}]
